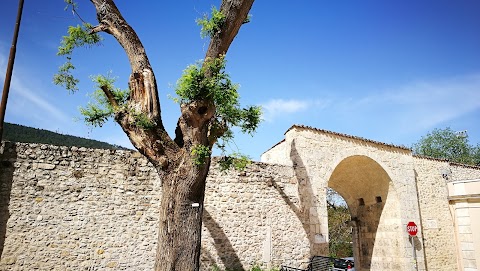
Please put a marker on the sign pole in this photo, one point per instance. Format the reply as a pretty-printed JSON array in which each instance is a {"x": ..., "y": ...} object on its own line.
[
  {"x": 11, "y": 60},
  {"x": 412, "y": 230},
  {"x": 414, "y": 253}
]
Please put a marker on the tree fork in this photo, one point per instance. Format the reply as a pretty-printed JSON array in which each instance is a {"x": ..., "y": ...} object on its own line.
[
  {"x": 183, "y": 181},
  {"x": 142, "y": 81}
]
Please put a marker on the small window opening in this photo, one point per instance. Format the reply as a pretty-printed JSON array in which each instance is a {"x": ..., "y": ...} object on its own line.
[
  {"x": 378, "y": 199},
  {"x": 361, "y": 202}
]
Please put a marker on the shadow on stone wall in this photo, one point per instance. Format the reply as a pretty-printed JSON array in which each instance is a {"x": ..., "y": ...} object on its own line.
[
  {"x": 8, "y": 157},
  {"x": 222, "y": 244},
  {"x": 305, "y": 196},
  {"x": 421, "y": 245},
  {"x": 206, "y": 258},
  {"x": 368, "y": 218}
]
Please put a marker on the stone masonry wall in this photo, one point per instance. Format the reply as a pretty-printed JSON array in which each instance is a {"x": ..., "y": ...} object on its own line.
[
  {"x": 437, "y": 217},
  {"x": 254, "y": 217},
  {"x": 77, "y": 209},
  {"x": 68, "y": 208},
  {"x": 437, "y": 221},
  {"x": 463, "y": 172}
]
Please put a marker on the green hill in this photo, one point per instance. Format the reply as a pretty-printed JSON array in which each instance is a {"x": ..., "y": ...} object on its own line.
[{"x": 20, "y": 133}]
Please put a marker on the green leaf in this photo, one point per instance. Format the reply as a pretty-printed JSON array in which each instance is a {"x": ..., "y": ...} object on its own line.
[
  {"x": 99, "y": 109},
  {"x": 195, "y": 85},
  {"x": 446, "y": 144},
  {"x": 78, "y": 36},
  {"x": 95, "y": 115},
  {"x": 200, "y": 154},
  {"x": 211, "y": 26},
  {"x": 235, "y": 160},
  {"x": 65, "y": 78}
]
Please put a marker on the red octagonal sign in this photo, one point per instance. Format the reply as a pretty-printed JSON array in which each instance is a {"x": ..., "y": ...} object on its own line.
[{"x": 412, "y": 228}]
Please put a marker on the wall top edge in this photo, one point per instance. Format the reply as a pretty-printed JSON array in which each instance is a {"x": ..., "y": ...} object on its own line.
[{"x": 304, "y": 127}]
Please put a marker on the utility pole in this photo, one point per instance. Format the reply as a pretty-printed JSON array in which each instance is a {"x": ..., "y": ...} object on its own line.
[{"x": 8, "y": 76}]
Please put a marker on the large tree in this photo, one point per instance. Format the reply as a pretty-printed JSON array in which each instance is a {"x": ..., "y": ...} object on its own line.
[
  {"x": 447, "y": 144},
  {"x": 209, "y": 109}
]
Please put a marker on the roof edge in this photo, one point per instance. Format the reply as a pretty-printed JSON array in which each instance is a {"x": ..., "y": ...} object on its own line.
[{"x": 347, "y": 136}]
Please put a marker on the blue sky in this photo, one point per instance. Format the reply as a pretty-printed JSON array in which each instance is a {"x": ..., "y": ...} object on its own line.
[{"x": 384, "y": 70}]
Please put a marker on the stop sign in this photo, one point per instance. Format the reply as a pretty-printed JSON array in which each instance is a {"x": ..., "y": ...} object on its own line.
[{"x": 412, "y": 228}]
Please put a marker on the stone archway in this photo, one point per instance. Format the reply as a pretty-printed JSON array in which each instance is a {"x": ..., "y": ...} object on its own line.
[
  {"x": 374, "y": 207},
  {"x": 378, "y": 183}
]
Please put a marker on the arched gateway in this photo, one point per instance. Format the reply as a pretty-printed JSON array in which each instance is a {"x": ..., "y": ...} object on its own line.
[{"x": 376, "y": 180}]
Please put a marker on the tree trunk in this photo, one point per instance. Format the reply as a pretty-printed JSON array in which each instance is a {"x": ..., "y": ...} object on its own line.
[{"x": 181, "y": 209}]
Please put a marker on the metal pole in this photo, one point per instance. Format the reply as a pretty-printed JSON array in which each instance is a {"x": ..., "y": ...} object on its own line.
[
  {"x": 414, "y": 253},
  {"x": 8, "y": 76}
]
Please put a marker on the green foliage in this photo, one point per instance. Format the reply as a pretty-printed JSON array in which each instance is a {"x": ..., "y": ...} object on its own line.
[
  {"x": 446, "y": 144},
  {"x": 339, "y": 232},
  {"x": 99, "y": 109},
  {"x": 200, "y": 154},
  {"x": 256, "y": 267},
  {"x": 64, "y": 76},
  {"x": 208, "y": 81},
  {"x": 236, "y": 160},
  {"x": 95, "y": 115},
  {"x": 143, "y": 121},
  {"x": 78, "y": 36},
  {"x": 211, "y": 26},
  {"x": 211, "y": 82}
]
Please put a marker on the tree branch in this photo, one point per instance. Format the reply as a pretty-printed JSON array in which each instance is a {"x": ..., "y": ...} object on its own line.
[
  {"x": 153, "y": 142},
  {"x": 99, "y": 28},
  {"x": 235, "y": 12},
  {"x": 142, "y": 81},
  {"x": 110, "y": 97},
  {"x": 215, "y": 131}
]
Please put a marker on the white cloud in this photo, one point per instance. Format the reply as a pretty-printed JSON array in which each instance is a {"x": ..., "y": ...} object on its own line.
[
  {"x": 399, "y": 112},
  {"x": 26, "y": 93},
  {"x": 422, "y": 105},
  {"x": 279, "y": 107},
  {"x": 23, "y": 95}
]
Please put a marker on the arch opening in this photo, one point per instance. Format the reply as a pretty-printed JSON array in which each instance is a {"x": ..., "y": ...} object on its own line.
[{"x": 366, "y": 188}]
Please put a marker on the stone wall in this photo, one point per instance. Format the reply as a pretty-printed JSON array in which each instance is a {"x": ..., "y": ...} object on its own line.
[
  {"x": 461, "y": 172},
  {"x": 437, "y": 221},
  {"x": 82, "y": 209},
  {"x": 438, "y": 225},
  {"x": 254, "y": 217},
  {"x": 77, "y": 209}
]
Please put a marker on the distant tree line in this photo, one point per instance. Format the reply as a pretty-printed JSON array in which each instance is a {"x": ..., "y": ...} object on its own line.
[
  {"x": 20, "y": 133},
  {"x": 448, "y": 144}
]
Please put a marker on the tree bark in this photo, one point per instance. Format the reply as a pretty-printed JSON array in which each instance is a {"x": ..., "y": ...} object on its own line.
[
  {"x": 183, "y": 181},
  {"x": 179, "y": 236}
]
